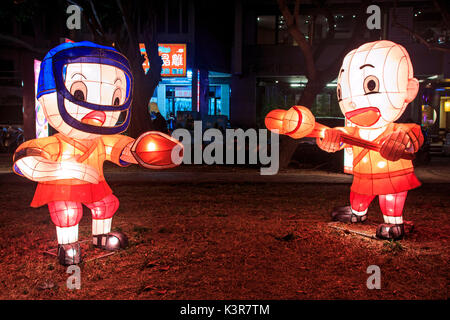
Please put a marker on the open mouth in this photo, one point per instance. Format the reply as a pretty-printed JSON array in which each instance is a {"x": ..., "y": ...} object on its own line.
[
  {"x": 94, "y": 118},
  {"x": 364, "y": 117}
]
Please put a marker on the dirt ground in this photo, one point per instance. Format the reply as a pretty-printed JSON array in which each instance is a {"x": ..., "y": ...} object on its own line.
[{"x": 229, "y": 241}]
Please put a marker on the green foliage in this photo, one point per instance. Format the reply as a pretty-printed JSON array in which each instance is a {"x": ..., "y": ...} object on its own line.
[{"x": 393, "y": 247}]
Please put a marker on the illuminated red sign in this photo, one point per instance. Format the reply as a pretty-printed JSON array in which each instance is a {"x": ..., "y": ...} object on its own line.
[
  {"x": 173, "y": 56},
  {"x": 174, "y": 59},
  {"x": 145, "y": 64}
]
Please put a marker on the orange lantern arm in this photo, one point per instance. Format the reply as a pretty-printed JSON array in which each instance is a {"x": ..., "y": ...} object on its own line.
[
  {"x": 156, "y": 150},
  {"x": 38, "y": 161},
  {"x": 298, "y": 122}
]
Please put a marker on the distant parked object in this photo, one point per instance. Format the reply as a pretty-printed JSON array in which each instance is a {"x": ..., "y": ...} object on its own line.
[{"x": 10, "y": 138}]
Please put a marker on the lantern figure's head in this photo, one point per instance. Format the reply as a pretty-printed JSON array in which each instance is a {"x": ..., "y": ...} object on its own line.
[
  {"x": 85, "y": 90},
  {"x": 376, "y": 83}
]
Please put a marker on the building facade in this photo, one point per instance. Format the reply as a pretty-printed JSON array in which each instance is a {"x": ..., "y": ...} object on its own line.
[
  {"x": 269, "y": 69},
  {"x": 240, "y": 59}
]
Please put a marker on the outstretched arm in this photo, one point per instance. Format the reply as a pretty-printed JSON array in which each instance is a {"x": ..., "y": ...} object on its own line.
[
  {"x": 39, "y": 169},
  {"x": 32, "y": 161},
  {"x": 126, "y": 155},
  {"x": 153, "y": 149},
  {"x": 156, "y": 150}
]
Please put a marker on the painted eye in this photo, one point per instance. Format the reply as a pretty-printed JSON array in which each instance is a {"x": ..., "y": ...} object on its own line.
[
  {"x": 371, "y": 84},
  {"x": 339, "y": 92},
  {"x": 116, "y": 97},
  {"x": 79, "y": 90}
]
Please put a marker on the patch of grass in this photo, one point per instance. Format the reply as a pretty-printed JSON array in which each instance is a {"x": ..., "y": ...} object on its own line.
[{"x": 391, "y": 246}]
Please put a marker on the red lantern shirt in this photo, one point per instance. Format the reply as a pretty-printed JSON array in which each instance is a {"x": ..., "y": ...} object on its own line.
[
  {"x": 375, "y": 175},
  {"x": 60, "y": 148}
]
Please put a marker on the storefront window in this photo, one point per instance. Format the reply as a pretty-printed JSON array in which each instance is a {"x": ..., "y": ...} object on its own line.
[
  {"x": 178, "y": 98},
  {"x": 273, "y": 29},
  {"x": 215, "y": 101}
]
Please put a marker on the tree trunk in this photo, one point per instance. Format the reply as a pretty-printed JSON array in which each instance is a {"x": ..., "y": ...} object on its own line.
[
  {"x": 287, "y": 144},
  {"x": 143, "y": 88},
  {"x": 142, "y": 93}
]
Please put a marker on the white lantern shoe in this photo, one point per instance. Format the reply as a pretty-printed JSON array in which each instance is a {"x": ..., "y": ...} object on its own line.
[
  {"x": 111, "y": 241},
  {"x": 389, "y": 231},
  {"x": 346, "y": 214},
  {"x": 69, "y": 253}
]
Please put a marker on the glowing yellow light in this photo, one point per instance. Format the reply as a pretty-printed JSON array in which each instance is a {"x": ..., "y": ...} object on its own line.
[
  {"x": 364, "y": 160},
  {"x": 447, "y": 106},
  {"x": 381, "y": 164},
  {"x": 151, "y": 146}
]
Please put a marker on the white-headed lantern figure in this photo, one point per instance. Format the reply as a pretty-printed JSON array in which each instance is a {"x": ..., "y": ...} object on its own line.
[
  {"x": 86, "y": 93},
  {"x": 375, "y": 85}
]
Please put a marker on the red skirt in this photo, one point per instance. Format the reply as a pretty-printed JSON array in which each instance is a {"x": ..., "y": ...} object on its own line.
[
  {"x": 384, "y": 183},
  {"x": 84, "y": 193}
]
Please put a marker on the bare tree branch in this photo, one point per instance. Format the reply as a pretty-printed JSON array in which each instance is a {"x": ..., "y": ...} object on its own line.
[
  {"x": 299, "y": 37},
  {"x": 130, "y": 27},
  {"x": 330, "y": 73},
  {"x": 415, "y": 34},
  {"x": 90, "y": 16},
  {"x": 99, "y": 24},
  {"x": 444, "y": 13},
  {"x": 296, "y": 11},
  {"x": 330, "y": 34},
  {"x": 21, "y": 43}
]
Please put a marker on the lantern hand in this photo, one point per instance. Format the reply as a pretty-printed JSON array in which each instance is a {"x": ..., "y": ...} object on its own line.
[
  {"x": 156, "y": 150},
  {"x": 395, "y": 145},
  {"x": 331, "y": 140},
  {"x": 297, "y": 122},
  {"x": 274, "y": 121}
]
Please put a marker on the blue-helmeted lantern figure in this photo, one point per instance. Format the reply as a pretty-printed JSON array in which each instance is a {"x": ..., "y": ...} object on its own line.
[
  {"x": 68, "y": 71},
  {"x": 85, "y": 90}
]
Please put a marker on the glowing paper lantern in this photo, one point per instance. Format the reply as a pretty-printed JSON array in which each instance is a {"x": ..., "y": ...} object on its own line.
[
  {"x": 85, "y": 91},
  {"x": 375, "y": 85}
]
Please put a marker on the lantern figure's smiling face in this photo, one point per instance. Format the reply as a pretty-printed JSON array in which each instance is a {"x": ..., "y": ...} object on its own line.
[
  {"x": 98, "y": 84},
  {"x": 375, "y": 84}
]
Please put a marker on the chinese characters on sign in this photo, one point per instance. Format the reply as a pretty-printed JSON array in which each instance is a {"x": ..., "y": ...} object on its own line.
[{"x": 173, "y": 57}]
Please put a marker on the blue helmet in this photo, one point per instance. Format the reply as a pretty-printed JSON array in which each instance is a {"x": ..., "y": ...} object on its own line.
[{"x": 52, "y": 77}]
